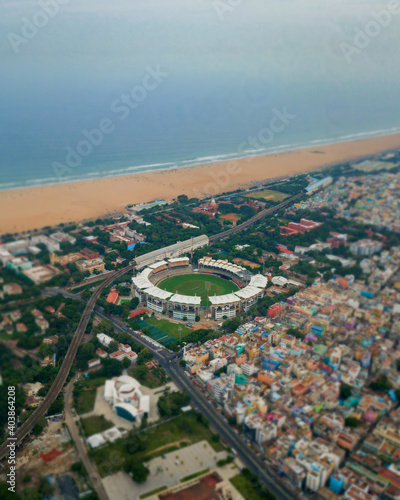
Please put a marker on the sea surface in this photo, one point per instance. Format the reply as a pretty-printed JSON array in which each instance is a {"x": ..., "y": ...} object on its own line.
[{"x": 211, "y": 80}]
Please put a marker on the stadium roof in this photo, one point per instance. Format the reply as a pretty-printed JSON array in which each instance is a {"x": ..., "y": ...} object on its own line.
[
  {"x": 179, "y": 259},
  {"x": 158, "y": 264},
  {"x": 186, "y": 299},
  {"x": 259, "y": 281},
  {"x": 228, "y": 298},
  {"x": 146, "y": 272},
  {"x": 158, "y": 293},
  {"x": 142, "y": 283},
  {"x": 247, "y": 292}
]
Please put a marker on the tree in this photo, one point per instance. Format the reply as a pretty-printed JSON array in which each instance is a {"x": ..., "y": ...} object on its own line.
[
  {"x": 345, "y": 390},
  {"x": 230, "y": 325},
  {"x": 182, "y": 198},
  {"x": 113, "y": 347},
  {"x": 126, "y": 362},
  {"x": 296, "y": 333},
  {"x": 57, "y": 406},
  {"x": 5, "y": 494},
  {"x": 144, "y": 356},
  {"x": 39, "y": 426},
  {"x": 169, "y": 405},
  {"x": 134, "y": 303},
  {"x": 381, "y": 384},
  {"x": 139, "y": 471},
  {"x": 143, "y": 422},
  {"x": 222, "y": 370},
  {"x": 351, "y": 422},
  {"x": 85, "y": 353},
  {"x": 105, "y": 326},
  {"x": 232, "y": 420}
]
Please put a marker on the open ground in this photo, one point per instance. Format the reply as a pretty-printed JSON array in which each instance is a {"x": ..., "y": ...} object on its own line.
[{"x": 201, "y": 285}]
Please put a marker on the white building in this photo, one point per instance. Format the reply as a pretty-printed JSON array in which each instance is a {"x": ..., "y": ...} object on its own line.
[
  {"x": 365, "y": 247},
  {"x": 104, "y": 339},
  {"x": 125, "y": 398}
]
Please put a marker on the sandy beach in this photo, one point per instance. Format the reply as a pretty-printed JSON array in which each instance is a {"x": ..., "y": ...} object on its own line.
[{"x": 33, "y": 208}]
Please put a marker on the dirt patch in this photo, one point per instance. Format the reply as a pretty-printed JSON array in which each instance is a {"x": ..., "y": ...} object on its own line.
[
  {"x": 52, "y": 437},
  {"x": 229, "y": 217},
  {"x": 247, "y": 263}
]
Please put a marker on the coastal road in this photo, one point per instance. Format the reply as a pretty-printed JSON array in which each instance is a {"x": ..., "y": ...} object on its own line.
[
  {"x": 218, "y": 422},
  {"x": 80, "y": 446}
]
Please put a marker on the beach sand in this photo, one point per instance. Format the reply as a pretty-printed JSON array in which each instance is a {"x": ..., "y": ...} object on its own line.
[{"x": 33, "y": 208}]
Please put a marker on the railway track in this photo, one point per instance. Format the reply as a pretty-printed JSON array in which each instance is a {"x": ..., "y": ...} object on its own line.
[
  {"x": 252, "y": 220},
  {"x": 27, "y": 426}
]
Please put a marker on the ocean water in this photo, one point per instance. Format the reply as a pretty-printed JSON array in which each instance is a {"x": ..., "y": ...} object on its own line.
[{"x": 177, "y": 83}]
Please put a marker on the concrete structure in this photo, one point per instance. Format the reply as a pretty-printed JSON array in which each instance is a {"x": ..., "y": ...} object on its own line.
[
  {"x": 125, "y": 398},
  {"x": 179, "y": 248},
  {"x": 91, "y": 265}
]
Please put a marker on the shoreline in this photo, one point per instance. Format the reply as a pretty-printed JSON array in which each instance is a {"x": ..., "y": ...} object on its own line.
[
  {"x": 34, "y": 207},
  {"x": 211, "y": 160}
]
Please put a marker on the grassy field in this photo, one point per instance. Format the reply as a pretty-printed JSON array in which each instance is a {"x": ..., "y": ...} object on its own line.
[
  {"x": 96, "y": 423},
  {"x": 85, "y": 402},
  {"x": 168, "y": 327},
  {"x": 268, "y": 194},
  {"x": 198, "y": 284},
  {"x": 245, "y": 488},
  {"x": 95, "y": 382},
  {"x": 186, "y": 426}
]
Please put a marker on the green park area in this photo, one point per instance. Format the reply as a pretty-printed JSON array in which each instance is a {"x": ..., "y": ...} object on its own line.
[
  {"x": 84, "y": 401},
  {"x": 169, "y": 327},
  {"x": 155, "y": 377},
  {"x": 268, "y": 194},
  {"x": 249, "y": 486},
  {"x": 201, "y": 285},
  {"x": 95, "y": 424}
]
